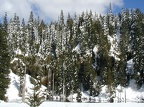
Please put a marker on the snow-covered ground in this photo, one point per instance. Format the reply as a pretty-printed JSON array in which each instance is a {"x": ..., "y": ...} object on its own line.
[
  {"x": 131, "y": 93},
  {"x": 13, "y": 90},
  {"x": 64, "y": 104}
]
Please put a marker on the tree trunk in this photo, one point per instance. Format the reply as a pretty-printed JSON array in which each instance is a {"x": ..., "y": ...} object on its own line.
[{"x": 23, "y": 89}]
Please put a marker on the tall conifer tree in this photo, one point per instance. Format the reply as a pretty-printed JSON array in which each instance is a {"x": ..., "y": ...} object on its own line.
[{"x": 4, "y": 61}]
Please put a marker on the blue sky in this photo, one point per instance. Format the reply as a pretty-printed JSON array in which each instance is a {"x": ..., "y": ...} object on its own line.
[
  {"x": 131, "y": 4},
  {"x": 134, "y": 4},
  {"x": 50, "y": 9}
]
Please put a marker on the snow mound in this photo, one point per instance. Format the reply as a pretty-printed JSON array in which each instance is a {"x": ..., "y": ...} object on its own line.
[
  {"x": 13, "y": 90},
  {"x": 14, "y": 87}
]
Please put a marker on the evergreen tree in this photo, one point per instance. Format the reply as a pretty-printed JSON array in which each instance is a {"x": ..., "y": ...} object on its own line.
[
  {"x": 124, "y": 43},
  {"x": 5, "y": 23},
  {"x": 37, "y": 97},
  {"x": 4, "y": 63},
  {"x": 31, "y": 32},
  {"x": 138, "y": 47}
]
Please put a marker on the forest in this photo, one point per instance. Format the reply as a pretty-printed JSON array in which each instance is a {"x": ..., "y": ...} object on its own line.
[{"x": 82, "y": 52}]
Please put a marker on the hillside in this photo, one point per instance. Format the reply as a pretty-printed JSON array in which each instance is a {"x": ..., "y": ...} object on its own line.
[
  {"x": 132, "y": 94},
  {"x": 85, "y": 57},
  {"x": 14, "y": 88}
]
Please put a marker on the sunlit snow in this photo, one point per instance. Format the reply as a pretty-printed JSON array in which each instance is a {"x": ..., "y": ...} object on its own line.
[{"x": 131, "y": 93}]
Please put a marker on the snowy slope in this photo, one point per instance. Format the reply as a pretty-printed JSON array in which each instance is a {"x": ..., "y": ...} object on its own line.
[
  {"x": 13, "y": 90},
  {"x": 132, "y": 95}
]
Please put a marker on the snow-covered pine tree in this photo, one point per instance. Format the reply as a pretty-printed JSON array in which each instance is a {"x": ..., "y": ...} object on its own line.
[
  {"x": 103, "y": 50},
  {"x": 70, "y": 31},
  {"x": 74, "y": 76},
  {"x": 124, "y": 43},
  {"x": 13, "y": 36},
  {"x": 31, "y": 32},
  {"x": 138, "y": 47},
  {"x": 109, "y": 32},
  {"x": 37, "y": 97},
  {"x": 4, "y": 61},
  {"x": 89, "y": 75},
  {"x": 22, "y": 41}
]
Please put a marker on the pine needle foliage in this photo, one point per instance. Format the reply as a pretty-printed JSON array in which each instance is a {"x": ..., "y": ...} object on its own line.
[{"x": 37, "y": 97}]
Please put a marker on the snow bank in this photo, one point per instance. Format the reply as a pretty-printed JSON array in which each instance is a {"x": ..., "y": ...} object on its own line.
[
  {"x": 65, "y": 104},
  {"x": 14, "y": 86},
  {"x": 13, "y": 90},
  {"x": 131, "y": 92}
]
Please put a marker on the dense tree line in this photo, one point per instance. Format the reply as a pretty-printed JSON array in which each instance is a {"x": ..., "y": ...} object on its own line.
[{"x": 81, "y": 53}]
